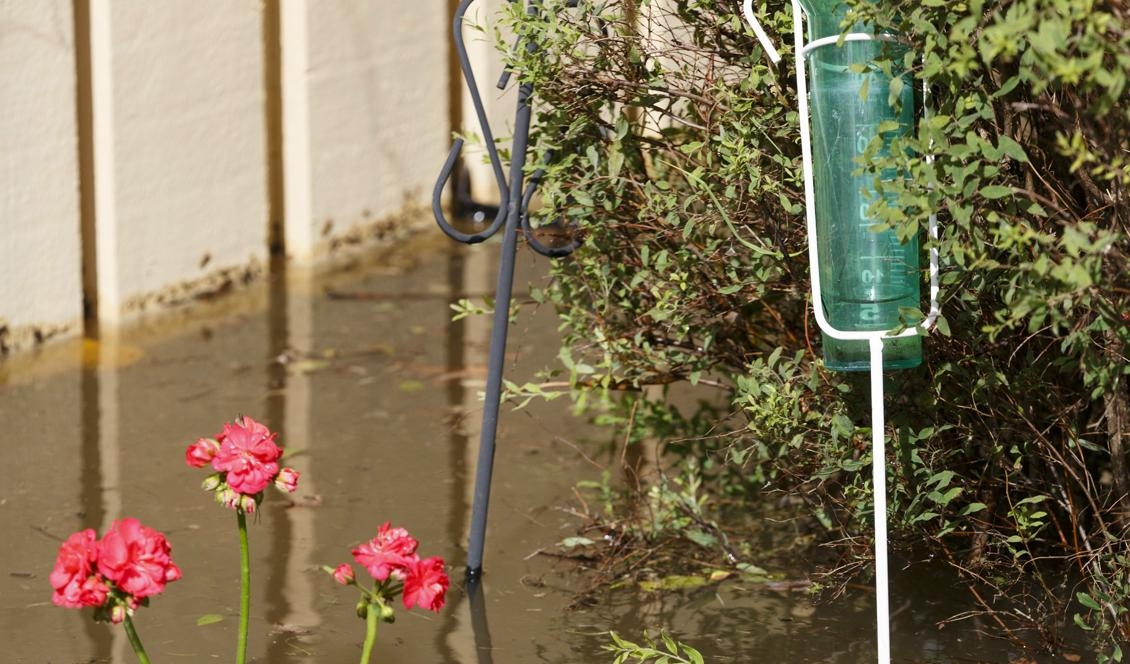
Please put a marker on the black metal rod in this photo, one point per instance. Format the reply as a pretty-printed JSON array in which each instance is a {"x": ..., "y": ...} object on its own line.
[
  {"x": 512, "y": 218},
  {"x": 500, "y": 326}
]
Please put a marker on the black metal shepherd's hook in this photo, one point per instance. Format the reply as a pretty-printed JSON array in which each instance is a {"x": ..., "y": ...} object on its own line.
[{"x": 512, "y": 213}]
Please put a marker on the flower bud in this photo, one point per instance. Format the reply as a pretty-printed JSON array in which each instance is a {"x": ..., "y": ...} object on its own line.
[
  {"x": 287, "y": 480},
  {"x": 212, "y": 482},
  {"x": 247, "y": 504},
  {"x": 201, "y": 453},
  {"x": 118, "y": 614},
  {"x": 227, "y": 497},
  {"x": 387, "y": 614},
  {"x": 343, "y": 574},
  {"x": 362, "y": 609}
]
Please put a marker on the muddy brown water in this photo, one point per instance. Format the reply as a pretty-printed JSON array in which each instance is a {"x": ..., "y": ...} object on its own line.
[{"x": 374, "y": 392}]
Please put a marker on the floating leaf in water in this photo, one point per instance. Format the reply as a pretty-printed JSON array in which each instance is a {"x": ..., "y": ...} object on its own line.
[
  {"x": 571, "y": 542},
  {"x": 720, "y": 575},
  {"x": 307, "y": 366},
  {"x": 208, "y": 619},
  {"x": 674, "y": 582},
  {"x": 751, "y": 570}
]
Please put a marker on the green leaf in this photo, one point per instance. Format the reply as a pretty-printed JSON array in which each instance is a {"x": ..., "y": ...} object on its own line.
[
  {"x": 894, "y": 91},
  {"x": 973, "y": 508},
  {"x": 593, "y": 156},
  {"x": 948, "y": 496},
  {"x": 208, "y": 619},
  {"x": 1088, "y": 601},
  {"x": 1007, "y": 87},
  {"x": 1012, "y": 149},
  {"x": 615, "y": 163},
  {"x": 702, "y": 538},
  {"x": 674, "y": 582},
  {"x": 995, "y": 191},
  {"x": 941, "y": 479},
  {"x": 749, "y": 569}
]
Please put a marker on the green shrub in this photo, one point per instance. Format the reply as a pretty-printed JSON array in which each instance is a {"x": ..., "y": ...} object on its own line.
[{"x": 676, "y": 152}]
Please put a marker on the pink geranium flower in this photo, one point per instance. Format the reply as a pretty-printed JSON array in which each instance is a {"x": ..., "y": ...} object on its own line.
[
  {"x": 343, "y": 574},
  {"x": 73, "y": 578},
  {"x": 248, "y": 455},
  {"x": 425, "y": 584},
  {"x": 389, "y": 553},
  {"x": 136, "y": 558},
  {"x": 201, "y": 453}
]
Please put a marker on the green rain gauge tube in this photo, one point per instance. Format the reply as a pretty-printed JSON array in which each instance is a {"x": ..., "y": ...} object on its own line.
[
  {"x": 860, "y": 277},
  {"x": 867, "y": 274}
]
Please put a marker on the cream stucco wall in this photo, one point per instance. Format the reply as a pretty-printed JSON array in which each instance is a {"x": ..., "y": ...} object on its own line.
[
  {"x": 40, "y": 250},
  {"x": 179, "y": 145},
  {"x": 499, "y": 104},
  {"x": 141, "y": 142},
  {"x": 365, "y": 112}
]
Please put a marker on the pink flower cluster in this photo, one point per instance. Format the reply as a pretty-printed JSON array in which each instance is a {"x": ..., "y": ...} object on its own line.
[
  {"x": 130, "y": 564},
  {"x": 245, "y": 457},
  {"x": 388, "y": 554},
  {"x": 392, "y": 554}
]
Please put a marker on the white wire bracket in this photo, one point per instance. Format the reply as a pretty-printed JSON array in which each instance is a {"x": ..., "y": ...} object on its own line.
[{"x": 766, "y": 43}]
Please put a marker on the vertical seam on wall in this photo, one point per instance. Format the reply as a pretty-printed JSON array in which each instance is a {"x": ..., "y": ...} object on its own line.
[
  {"x": 272, "y": 86},
  {"x": 85, "y": 146}
]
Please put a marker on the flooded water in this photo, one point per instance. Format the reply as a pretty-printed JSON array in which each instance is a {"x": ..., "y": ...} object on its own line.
[{"x": 374, "y": 391}]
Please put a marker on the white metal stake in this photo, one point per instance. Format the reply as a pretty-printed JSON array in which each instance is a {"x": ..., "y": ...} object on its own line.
[
  {"x": 879, "y": 488},
  {"x": 874, "y": 339}
]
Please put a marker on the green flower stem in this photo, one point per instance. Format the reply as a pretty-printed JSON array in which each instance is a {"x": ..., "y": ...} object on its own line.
[
  {"x": 372, "y": 616},
  {"x": 134, "y": 641},
  {"x": 244, "y": 588}
]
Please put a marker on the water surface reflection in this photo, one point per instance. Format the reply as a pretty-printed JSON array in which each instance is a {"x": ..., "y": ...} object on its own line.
[{"x": 375, "y": 394}]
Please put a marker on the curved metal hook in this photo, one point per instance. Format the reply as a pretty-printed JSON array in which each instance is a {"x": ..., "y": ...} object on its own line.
[
  {"x": 457, "y": 147},
  {"x": 528, "y": 231}
]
